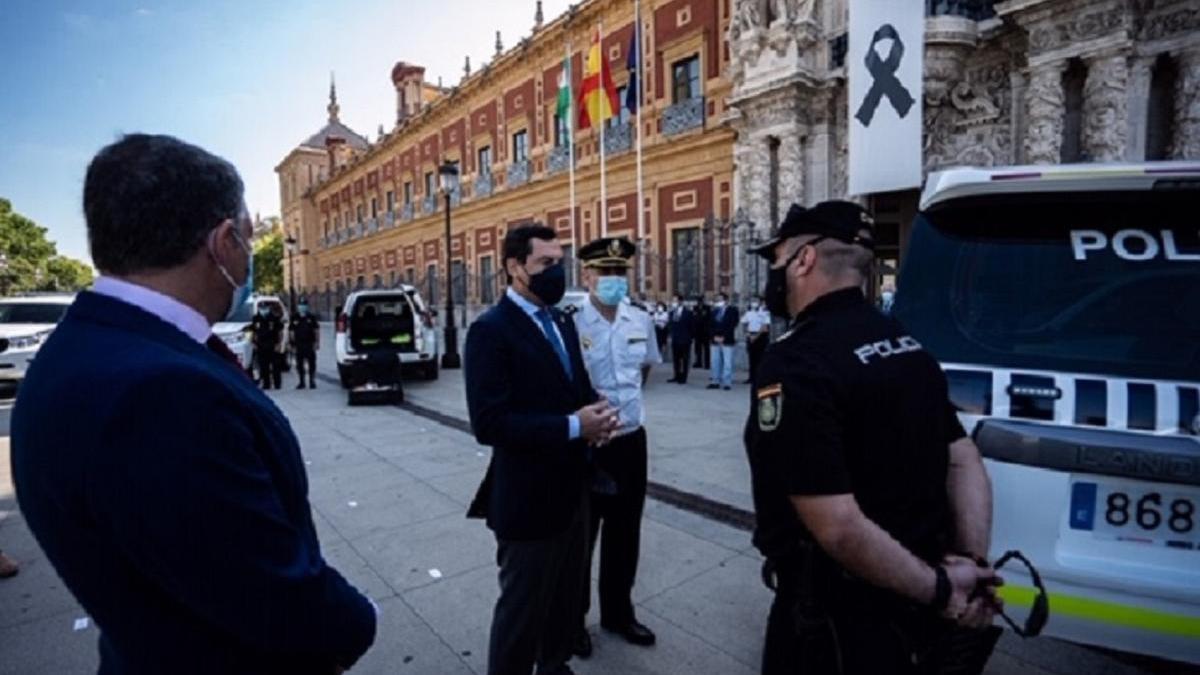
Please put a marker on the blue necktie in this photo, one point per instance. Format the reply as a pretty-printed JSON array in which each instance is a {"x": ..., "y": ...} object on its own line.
[{"x": 552, "y": 335}]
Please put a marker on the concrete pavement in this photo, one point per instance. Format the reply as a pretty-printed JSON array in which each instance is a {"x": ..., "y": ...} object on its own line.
[{"x": 389, "y": 489}]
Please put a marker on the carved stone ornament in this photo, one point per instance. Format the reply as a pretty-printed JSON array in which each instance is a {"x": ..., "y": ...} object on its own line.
[
  {"x": 1076, "y": 29},
  {"x": 974, "y": 104},
  {"x": 1105, "y": 110},
  {"x": 1045, "y": 102},
  {"x": 1185, "y": 143}
]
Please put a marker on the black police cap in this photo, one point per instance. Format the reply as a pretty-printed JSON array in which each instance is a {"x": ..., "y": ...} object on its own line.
[
  {"x": 607, "y": 252},
  {"x": 840, "y": 220}
]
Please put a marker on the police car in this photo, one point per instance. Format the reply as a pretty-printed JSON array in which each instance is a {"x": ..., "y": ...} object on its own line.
[
  {"x": 25, "y": 323},
  {"x": 1064, "y": 305},
  {"x": 394, "y": 319}
]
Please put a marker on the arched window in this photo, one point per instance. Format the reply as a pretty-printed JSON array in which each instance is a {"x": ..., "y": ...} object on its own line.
[
  {"x": 1073, "y": 81},
  {"x": 1160, "y": 110}
]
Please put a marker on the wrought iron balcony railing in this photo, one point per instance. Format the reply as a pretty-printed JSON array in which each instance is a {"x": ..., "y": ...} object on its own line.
[
  {"x": 518, "y": 174},
  {"x": 483, "y": 185},
  {"x": 618, "y": 138},
  {"x": 559, "y": 159},
  {"x": 429, "y": 205},
  {"x": 683, "y": 116}
]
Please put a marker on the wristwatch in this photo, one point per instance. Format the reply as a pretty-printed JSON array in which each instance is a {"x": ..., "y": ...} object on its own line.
[{"x": 941, "y": 589}]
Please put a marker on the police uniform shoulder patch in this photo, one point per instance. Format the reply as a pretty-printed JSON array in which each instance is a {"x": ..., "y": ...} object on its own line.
[{"x": 770, "y": 406}]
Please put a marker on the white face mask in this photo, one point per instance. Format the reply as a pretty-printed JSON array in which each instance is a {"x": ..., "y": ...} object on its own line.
[{"x": 241, "y": 292}]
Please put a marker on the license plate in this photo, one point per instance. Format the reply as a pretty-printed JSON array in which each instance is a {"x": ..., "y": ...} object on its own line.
[{"x": 1161, "y": 515}]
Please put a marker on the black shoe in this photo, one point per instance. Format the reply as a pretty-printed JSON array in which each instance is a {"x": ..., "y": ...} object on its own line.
[
  {"x": 582, "y": 647},
  {"x": 673, "y": 380},
  {"x": 300, "y": 386},
  {"x": 312, "y": 384},
  {"x": 680, "y": 381},
  {"x": 633, "y": 632},
  {"x": 564, "y": 669},
  {"x": 727, "y": 388},
  {"x": 713, "y": 386}
]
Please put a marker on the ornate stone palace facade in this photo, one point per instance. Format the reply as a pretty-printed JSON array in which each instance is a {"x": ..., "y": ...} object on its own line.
[
  {"x": 1014, "y": 82},
  {"x": 371, "y": 214}
]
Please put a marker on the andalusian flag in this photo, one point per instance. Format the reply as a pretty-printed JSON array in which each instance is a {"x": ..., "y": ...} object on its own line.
[
  {"x": 563, "y": 109},
  {"x": 597, "y": 95}
]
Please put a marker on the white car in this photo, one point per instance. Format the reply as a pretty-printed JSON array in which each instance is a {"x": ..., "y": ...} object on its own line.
[
  {"x": 394, "y": 319},
  {"x": 1063, "y": 303},
  {"x": 235, "y": 331},
  {"x": 25, "y": 323}
]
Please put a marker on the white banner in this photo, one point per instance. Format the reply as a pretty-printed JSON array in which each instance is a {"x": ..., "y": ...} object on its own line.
[{"x": 885, "y": 58}]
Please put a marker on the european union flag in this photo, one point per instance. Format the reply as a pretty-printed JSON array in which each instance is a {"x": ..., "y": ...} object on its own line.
[{"x": 633, "y": 62}]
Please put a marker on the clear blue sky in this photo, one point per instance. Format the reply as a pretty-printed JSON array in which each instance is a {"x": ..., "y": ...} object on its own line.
[{"x": 246, "y": 79}]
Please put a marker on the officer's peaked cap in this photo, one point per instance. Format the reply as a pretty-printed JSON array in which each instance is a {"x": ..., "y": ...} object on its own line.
[
  {"x": 607, "y": 252},
  {"x": 840, "y": 220}
]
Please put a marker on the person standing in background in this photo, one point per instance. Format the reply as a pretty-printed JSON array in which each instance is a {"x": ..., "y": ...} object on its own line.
[
  {"x": 680, "y": 327},
  {"x": 723, "y": 329},
  {"x": 267, "y": 331},
  {"x": 701, "y": 317},
  {"x": 757, "y": 324},
  {"x": 661, "y": 318},
  {"x": 306, "y": 340}
]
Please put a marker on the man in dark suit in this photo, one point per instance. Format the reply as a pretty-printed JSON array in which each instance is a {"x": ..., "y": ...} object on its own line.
[
  {"x": 723, "y": 328},
  {"x": 174, "y": 504},
  {"x": 679, "y": 325},
  {"x": 700, "y": 326},
  {"x": 530, "y": 399}
]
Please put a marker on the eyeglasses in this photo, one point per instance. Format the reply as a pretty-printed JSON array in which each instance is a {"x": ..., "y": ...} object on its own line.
[{"x": 1039, "y": 612}]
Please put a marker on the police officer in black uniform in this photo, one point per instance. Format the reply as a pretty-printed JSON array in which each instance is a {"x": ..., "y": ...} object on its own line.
[
  {"x": 267, "y": 331},
  {"x": 873, "y": 507},
  {"x": 306, "y": 340}
]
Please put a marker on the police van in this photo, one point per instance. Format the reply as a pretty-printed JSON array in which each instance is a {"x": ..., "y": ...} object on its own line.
[{"x": 1064, "y": 305}]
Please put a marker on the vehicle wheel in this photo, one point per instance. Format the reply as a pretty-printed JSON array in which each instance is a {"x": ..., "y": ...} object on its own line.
[{"x": 431, "y": 370}]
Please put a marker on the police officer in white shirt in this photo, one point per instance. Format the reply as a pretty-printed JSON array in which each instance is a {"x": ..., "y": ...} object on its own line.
[
  {"x": 757, "y": 322},
  {"x": 619, "y": 347}
]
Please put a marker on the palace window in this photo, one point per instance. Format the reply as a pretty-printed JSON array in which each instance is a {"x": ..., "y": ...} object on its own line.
[
  {"x": 374, "y": 207},
  {"x": 622, "y": 113},
  {"x": 391, "y": 201},
  {"x": 429, "y": 184},
  {"x": 1073, "y": 81},
  {"x": 407, "y": 192},
  {"x": 561, "y": 131},
  {"x": 520, "y": 142},
  {"x": 359, "y": 211},
  {"x": 1161, "y": 109},
  {"x": 485, "y": 160},
  {"x": 685, "y": 79},
  {"x": 487, "y": 281}
]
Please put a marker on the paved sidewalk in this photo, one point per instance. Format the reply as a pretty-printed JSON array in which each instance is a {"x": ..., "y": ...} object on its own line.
[{"x": 389, "y": 490}]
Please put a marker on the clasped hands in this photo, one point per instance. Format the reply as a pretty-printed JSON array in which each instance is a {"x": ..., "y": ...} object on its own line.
[
  {"x": 973, "y": 600},
  {"x": 597, "y": 423}
]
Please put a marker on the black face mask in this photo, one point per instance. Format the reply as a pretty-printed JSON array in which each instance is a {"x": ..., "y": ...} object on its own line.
[
  {"x": 549, "y": 285},
  {"x": 775, "y": 294}
]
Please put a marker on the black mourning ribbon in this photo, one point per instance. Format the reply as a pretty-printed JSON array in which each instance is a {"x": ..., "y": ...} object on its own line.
[{"x": 883, "y": 72}]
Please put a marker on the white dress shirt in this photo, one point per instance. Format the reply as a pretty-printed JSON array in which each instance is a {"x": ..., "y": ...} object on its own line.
[
  {"x": 188, "y": 320},
  {"x": 614, "y": 353}
]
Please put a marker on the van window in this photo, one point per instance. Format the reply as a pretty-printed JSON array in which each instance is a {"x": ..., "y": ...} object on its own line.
[{"x": 1104, "y": 282}]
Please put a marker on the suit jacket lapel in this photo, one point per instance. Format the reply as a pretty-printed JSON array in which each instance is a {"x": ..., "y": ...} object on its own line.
[{"x": 534, "y": 334}]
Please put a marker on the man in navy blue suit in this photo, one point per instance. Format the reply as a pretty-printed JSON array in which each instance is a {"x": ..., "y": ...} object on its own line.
[
  {"x": 167, "y": 491},
  {"x": 530, "y": 399},
  {"x": 680, "y": 326}
]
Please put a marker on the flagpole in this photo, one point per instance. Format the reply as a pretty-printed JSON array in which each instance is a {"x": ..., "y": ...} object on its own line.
[
  {"x": 571, "y": 154},
  {"x": 641, "y": 215},
  {"x": 603, "y": 94}
]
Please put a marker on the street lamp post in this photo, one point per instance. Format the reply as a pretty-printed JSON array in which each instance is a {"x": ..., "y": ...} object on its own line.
[
  {"x": 290, "y": 245},
  {"x": 450, "y": 358}
]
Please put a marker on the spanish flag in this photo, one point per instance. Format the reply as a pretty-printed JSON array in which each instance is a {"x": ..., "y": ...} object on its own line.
[{"x": 597, "y": 95}]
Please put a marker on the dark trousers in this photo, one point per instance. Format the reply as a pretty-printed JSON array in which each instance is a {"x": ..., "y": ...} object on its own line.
[
  {"x": 535, "y": 616},
  {"x": 661, "y": 335},
  {"x": 703, "y": 358},
  {"x": 756, "y": 348},
  {"x": 681, "y": 353},
  {"x": 306, "y": 362},
  {"x": 619, "y": 517},
  {"x": 269, "y": 370}
]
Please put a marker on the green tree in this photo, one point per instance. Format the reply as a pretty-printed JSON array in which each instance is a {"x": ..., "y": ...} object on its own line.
[
  {"x": 30, "y": 261},
  {"x": 268, "y": 264},
  {"x": 66, "y": 274}
]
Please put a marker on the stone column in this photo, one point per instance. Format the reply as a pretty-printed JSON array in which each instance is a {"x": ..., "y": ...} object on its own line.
[
  {"x": 791, "y": 171},
  {"x": 819, "y": 150},
  {"x": 1106, "y": 108},
  {"x": 1044, "y": 105},
  {"x": 1137, "y": 96},
  {"x": 1186, "y": 141}
]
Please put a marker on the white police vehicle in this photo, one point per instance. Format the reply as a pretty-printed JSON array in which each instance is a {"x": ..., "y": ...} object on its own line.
[
  {"x": 396, "y": 320},
  {"x": 1064, "y": 305},
  {"x": 235, "y": 331},
  {"x": 25, "y": 323}
]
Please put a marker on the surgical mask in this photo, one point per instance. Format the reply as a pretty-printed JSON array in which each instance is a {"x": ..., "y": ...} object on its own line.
[
  {"x": 303, "y": 309},
  {"x": 611, "y": 290},
  {"x": 719, "y": 303},
  {"x": 549, "y": 285},
  {"x": 264, "y": 311},
  {"x": 240, "y": 293}
]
